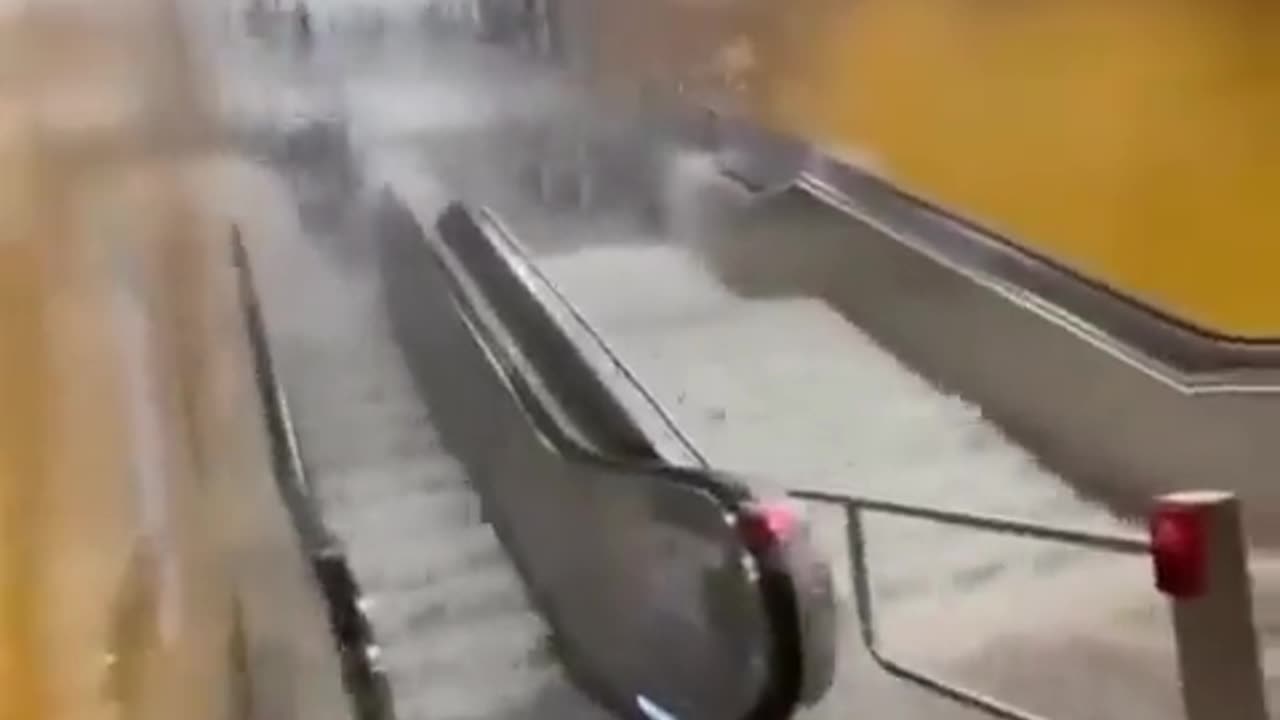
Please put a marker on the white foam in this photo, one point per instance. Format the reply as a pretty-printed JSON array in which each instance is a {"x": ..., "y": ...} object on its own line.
[{"x": 787, "y": 390}]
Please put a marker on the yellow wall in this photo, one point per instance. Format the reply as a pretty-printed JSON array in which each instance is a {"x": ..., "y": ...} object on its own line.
[
  {"x": 1138, "y": 141},
  {"x": 81, "y": 630}
]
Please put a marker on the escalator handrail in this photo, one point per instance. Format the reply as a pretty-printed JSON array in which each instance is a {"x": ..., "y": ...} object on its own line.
[{"x": 352, "y": 631}]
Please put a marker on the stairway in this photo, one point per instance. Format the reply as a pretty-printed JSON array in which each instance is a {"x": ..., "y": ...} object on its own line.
[{"x": 458, "y": 638}]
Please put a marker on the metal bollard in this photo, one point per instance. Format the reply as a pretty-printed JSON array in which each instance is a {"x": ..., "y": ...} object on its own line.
[{"x": 1200, "y": 554}]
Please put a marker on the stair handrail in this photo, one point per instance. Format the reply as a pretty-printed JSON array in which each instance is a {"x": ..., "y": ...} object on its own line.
[{"x": 1200, "y": 561}]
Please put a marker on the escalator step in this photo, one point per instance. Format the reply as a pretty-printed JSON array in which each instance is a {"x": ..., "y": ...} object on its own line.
[
  {"x": 510, "y": 642},
  {"x": 412, "y": 562},
  {"x": 481, "y": 593},
  {"x": 347, "y": 451}
]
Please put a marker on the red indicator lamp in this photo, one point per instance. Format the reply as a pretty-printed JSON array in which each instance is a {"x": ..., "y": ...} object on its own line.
[
  {"x": 1178, "y": 538},
  {"x": 767, "y": 526}
]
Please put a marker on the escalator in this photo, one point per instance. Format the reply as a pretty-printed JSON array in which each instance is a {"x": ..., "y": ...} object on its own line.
[
  {"x": 467, "y": 420},
  {"x": 499, "y": 518},
  {"x": 564, "y": 469}
]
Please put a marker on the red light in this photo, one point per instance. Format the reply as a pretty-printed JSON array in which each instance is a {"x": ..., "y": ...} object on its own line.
[
  {"x": 767, "y": 526},
  {"x": 1178, "y": 537}
]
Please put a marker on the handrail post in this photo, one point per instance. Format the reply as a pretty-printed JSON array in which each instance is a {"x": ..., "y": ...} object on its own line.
[
  {"x": 1201, "y": 562},
  {"x": 860, "y": 574}
]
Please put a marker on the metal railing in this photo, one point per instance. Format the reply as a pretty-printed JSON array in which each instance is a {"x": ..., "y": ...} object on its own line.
[
  {"x": 1200, "y": 558},
  {"x": 593, "y": 470}
]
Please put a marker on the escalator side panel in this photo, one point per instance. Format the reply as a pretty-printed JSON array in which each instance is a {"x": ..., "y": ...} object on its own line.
[{"x": 429, "y": 329}]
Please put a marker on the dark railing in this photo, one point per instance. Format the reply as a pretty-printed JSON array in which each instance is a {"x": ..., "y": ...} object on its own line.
[
  {"x": 662, "y": 585},
  {"x": 352, "y": 632},
  {"x": 1194, "y": 359}
]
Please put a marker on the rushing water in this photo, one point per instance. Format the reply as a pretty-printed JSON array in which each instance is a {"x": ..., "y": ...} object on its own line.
[
  {"x": 726, "y": 312},
  {"x": 641, "y": 234},
  {"x": 638, "y": 231}
]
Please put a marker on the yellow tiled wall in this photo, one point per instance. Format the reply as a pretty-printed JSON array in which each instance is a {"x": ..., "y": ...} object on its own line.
[{"x": 1137, "y": 141}]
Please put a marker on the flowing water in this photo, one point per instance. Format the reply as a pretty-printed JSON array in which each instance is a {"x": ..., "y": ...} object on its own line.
[{"x": 722, "y": 307}]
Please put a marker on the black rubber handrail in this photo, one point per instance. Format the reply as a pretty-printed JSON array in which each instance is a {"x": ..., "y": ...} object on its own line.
[
  {"x": 352, "y": 632},
  {"x": 498, "y": 295}
]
